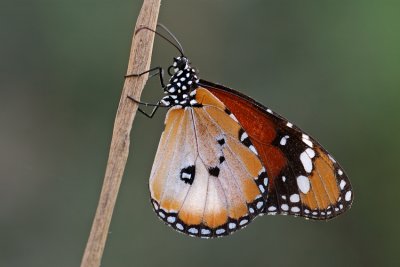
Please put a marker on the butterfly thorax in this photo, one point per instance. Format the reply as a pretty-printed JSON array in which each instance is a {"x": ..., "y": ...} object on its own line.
[{"x": 181, "y": 89}]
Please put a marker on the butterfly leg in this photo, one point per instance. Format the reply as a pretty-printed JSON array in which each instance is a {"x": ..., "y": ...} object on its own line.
[
  {"x": 149, "y": 115},
  {"x": 159, "y": 72},
  {"x": 156, "y": 106}
]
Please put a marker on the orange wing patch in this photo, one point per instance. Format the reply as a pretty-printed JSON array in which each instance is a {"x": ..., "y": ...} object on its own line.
[{"x": 324, "y": 191}]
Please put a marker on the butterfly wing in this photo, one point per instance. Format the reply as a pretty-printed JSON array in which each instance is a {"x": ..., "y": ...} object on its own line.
[
  {"x": 305, "y": 180},
  {"x": 207, "y": 179}
]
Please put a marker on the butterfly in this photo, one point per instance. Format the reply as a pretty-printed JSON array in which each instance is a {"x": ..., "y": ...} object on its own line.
[{"x": 225, "y": 159}]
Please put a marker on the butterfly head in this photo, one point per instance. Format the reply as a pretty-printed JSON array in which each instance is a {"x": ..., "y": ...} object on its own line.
[{"x": 180, "y": 63}]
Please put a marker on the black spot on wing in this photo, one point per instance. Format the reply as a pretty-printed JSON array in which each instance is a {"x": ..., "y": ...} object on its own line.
[
  {"x": 221, "y": 141},
  {"x": 213, "y": 171},
  {"x": 221, "y": 159},
  {"x": 187, "y": 174}
]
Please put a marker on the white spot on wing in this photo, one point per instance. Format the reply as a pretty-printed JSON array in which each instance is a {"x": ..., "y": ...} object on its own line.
[
  {"x": 306, "y": 161},
  {"x": 193, "y": 231},
  {"x": 294, "y": 198},
  {"x": 252, "y": 148},
  {"x": 205, "y": 231},
  {"x": 303, "y": 183},
  {"x": 284, "y": 140},
  {"x": 243, "y": 222},
  {"x": 233, "y": 117},
  {"x": 186, "y": 175},
  {"x": 347, "y": 197},
  {"x": 295, "y": 209},
  {"x": 310, "y": 152},
  {"x": 244, "y": 136},
  {"x": 261, "y": 187},
  {"x": 289, "y": 124},
  {"x": 155, "y": 205},
  {"x": 171, "y": 219},
  {"x": 179, "y": 226},
  {"x": 342, "y": 184},
  {"x": 307, "y": 142},
  {"x": 285, "y": 207},
  {"x": 232, "y": 225},
  {"x": 331, "y": 158}
]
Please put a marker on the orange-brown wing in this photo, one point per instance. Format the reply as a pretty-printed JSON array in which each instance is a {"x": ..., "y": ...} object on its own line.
[
  {"x": 207, "y": 179},
  {"x": 304, "y": 179}
]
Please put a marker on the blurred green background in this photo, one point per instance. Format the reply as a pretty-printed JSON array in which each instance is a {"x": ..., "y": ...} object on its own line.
[{"x": 332, "y": 67}]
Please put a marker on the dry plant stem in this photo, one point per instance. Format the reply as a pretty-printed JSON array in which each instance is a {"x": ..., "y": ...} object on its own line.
[{"x": 139, "y": 61}]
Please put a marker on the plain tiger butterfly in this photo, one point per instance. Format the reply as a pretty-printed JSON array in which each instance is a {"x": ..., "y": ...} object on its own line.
[{"x": 224, "y": 159}]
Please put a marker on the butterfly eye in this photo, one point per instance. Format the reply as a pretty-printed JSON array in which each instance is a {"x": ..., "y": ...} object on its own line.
[{"x": 170, "y": 70}]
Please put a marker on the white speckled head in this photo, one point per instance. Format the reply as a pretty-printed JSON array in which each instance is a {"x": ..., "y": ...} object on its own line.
[{"x": 180, "y": 63}]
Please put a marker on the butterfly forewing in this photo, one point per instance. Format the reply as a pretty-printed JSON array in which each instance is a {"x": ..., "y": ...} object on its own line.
[
  {"x": 207, "y": 179},
  {"x": 304, "y": 179}
]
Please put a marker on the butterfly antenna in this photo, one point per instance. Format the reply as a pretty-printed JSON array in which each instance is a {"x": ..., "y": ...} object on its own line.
[
  {"x": 179, "y": 46},
  {"x": 172, "y": 35}
]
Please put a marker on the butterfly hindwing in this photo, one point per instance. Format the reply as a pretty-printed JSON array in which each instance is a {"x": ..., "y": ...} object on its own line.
[
  {"x": 304, "y": 179},
  {"x": 207, "y": 179}
]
